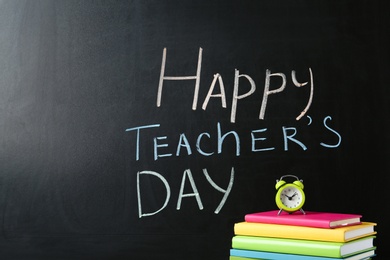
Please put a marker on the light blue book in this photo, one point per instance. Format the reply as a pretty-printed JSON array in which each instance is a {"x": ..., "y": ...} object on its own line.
[{"x": 249, "y": 254}]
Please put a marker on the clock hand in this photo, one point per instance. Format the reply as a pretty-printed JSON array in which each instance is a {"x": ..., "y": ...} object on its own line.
[{"x": 289, "y": 198}]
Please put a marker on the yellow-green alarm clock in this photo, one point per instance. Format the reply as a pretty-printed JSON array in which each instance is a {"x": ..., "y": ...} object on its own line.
[{"x": 289, "y": 196}]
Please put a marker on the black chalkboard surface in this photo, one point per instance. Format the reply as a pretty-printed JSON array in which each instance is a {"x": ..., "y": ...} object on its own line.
[{"x": 146, "y": 129}]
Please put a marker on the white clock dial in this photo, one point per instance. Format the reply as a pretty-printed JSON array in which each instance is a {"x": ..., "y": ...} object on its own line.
[{"x": 291, "y": 197}]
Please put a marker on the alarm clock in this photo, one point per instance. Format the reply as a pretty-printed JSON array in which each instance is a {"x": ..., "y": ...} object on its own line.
[{"x": 289, "y": 196}]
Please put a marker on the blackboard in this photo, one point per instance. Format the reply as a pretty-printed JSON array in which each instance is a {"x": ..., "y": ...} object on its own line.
[{"x": 146, "y": 129}]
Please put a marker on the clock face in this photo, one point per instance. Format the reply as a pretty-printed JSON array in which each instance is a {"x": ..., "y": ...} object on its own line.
[{"x": 291, "y": 197}]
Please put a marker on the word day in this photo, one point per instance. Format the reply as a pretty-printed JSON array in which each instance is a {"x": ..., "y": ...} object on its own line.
[
  {"x": 187, "y": 174},
  {"x": 237, "y": 76}
]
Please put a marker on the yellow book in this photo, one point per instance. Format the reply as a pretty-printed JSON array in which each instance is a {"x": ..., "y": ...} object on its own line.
[{"x": 341, "y": 234}]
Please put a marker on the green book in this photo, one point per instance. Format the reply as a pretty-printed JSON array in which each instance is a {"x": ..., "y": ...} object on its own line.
[
  {"x": 241, "y": 258},
  {"x": 303, "y": 247}
]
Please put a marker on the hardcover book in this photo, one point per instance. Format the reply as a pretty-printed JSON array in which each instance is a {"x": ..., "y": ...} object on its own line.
[
  {"x": 310, "y": 219},
  {"x": 342, "y": 234},
  {"x": 303, "y": 247},
  {"x": 237, "y": 254}
]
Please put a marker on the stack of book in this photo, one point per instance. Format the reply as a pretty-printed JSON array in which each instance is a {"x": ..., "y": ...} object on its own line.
[{"x": 298, "y": 236}]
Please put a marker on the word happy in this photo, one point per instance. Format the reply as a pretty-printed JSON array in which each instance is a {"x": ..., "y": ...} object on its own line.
[{"x": 237, "y": 76}]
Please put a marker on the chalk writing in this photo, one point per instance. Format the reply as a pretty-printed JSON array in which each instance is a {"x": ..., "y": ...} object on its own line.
[
  {"x": 333, "y": 131},
  {"x": 161, "y": 146},
  {"x": 236, "y": 97},
  {"x": 196, "y": 77},
  {"x": 167, "y": 188},
  {"x": 187, "y": 174},
  {"x": 210, "y": 143}
]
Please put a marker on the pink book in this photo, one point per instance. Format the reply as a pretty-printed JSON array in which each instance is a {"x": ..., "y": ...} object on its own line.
[{"x": 310, "y": 219}]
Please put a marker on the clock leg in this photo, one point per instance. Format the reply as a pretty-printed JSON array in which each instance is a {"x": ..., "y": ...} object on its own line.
[
  {"x": 303, "y": 212},
  {"x": 280, "y": 211}
]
